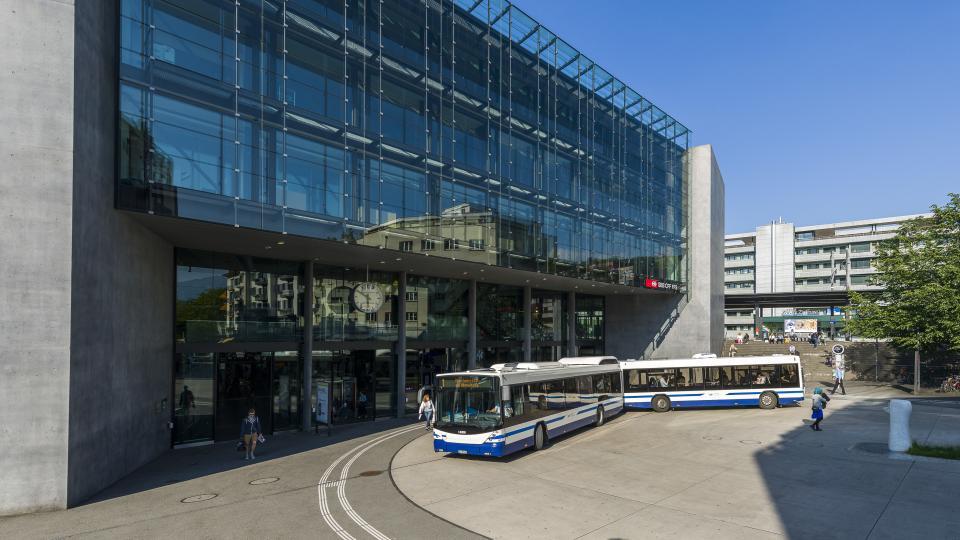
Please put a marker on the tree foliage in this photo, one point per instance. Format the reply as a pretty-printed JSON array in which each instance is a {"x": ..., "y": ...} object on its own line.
[{"x": 919, "y": 307}]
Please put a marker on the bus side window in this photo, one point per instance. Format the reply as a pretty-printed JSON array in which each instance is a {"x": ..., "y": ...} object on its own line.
[
  {"x": 726, "y": 378},
  {"x": 711, "y": 378},
  {"x": 519, "y": 398},
  {"x": 588, "y": 392},
  {"x": 690, "y": 378},
  {"x": 766, "y": 377},
  {"x": 633, "y": 380},
  {"x": 788, "y": 375},
  {"x": 555, "y": 396},
  {"x": 571, "y": 393},
  {"x": 615, "y": 388}
]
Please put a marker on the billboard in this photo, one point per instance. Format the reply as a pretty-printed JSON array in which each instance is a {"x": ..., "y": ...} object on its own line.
[{"x": 791, "y": 326}]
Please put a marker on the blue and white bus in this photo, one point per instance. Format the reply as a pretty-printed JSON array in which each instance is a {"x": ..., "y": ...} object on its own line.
[
  {"x": 509, "y": 407},
  {"x": 708, "y": 381}
]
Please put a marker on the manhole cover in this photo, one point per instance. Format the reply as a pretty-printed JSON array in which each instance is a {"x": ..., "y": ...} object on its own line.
[
  {"x": 370, "y": 473},
  {"x": 712, "y": 438},
  {"x": 199, "y": 498},
  {"x": 749, "y": 441},
  {"x": 261, "y": 481}
]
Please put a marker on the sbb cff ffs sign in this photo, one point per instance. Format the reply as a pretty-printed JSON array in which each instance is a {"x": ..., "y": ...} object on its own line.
[{"x": 662, "y": 285}]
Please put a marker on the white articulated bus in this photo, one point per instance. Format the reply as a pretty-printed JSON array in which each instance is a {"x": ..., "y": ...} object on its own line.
[
  {"x": 708, "y": 381},
  {"x": 509, "y": 407}
]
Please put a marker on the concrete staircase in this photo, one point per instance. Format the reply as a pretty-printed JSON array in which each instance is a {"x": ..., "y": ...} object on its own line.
[
  {"x": 812, "y": 359},
  {"x": 865, "y": 360}
]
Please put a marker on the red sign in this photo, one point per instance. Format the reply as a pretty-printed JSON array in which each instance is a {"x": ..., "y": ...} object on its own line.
[{"x": 651, "y": 283}]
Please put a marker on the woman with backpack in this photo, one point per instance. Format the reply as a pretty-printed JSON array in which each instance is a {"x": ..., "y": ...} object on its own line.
[{"x": 820, "y": 400}]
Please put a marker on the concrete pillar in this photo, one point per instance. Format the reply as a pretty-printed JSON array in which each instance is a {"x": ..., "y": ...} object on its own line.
[
  {"x": 401, "y": 347},
  {"x": 757, "y": 321},
  {"x": 527, "y": 324},
  {"x": 306, "y": 351},
  {"x": 899, "y": 439},
  {"x": 472, "y": 325},
  {"x": 571, "y": 324}
]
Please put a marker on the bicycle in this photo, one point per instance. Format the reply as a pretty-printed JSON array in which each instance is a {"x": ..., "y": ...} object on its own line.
[{"x": 950, "y": 384}]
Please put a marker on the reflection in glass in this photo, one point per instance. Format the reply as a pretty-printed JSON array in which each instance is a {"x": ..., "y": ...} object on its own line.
[
  {"x": 193, "y": 387},
  {"x": 354, "y": 304},
  {"x": 223, "y": 298},
  {"x": 504, "y": 145},
  {"x": 441, "y": 308}
]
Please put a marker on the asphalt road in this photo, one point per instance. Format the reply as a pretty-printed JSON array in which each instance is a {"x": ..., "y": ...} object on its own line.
[{"x": 339, "y": 491}]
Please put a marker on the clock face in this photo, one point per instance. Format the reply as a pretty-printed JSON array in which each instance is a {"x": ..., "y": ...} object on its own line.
[{"x": 368, "y": 297}]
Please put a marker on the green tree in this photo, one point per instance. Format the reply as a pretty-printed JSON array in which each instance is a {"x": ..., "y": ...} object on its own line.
[{"x": 919, "y": 307}]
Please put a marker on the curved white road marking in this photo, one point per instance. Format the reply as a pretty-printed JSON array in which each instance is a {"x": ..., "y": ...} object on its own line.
[
  {"x": 342, "y": 496},
  {"x": 323, "y": 484}
]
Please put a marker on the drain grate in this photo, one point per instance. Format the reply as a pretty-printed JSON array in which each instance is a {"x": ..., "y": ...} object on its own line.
[
  {"x": 370, "y": 473},
  {"x": 261, "y": 481},
  {"x": 749, "y": 441},
  {"x": 712, "y": 438},
  {"x": 199, "y": 498}
]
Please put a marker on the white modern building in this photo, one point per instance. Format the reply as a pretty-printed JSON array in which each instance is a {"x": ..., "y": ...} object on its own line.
[{"x": 780, "y": 257}]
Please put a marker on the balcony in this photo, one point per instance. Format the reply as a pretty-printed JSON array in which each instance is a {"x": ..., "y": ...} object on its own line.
[
  {"x": 817, "y": 272},
  {"x": 738, "y": 264}
]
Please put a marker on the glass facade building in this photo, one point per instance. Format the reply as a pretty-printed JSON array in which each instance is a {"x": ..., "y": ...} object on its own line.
[{"x": 460, "y": 130}]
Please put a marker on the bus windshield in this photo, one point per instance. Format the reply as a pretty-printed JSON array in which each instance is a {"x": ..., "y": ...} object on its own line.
[{"x": 468, "y": 403}]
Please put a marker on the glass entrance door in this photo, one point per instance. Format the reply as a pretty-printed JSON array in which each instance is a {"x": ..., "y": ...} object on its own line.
[
  {"x": 243, "y": 381},
  {"x": 423, "y": 366},
  {"x": 286, "y": 390},
  {"x": 351, "y": 379}
]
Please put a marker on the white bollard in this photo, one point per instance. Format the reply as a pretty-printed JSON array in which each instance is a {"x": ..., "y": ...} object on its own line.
[{"x": 900, "y": 440}]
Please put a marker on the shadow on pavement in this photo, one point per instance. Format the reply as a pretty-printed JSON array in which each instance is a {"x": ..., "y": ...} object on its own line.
[
  {"x": 842, "y": 483},
  {"x": 184, "y": 464}
]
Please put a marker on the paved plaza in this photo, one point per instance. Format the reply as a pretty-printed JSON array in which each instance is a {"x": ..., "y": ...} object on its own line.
[
  {"x": 706, "y": 473},
  {"x": 729, "y": 473}
]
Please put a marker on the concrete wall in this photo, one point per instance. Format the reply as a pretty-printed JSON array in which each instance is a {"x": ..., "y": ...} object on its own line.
[
  {"x": 122, "y": 298},
  {"x": 774, "y": 258},
  {"x": 36, "y": 202},
  {"x": 86, "y": 300},
  {"x": 663, "y": 326}
]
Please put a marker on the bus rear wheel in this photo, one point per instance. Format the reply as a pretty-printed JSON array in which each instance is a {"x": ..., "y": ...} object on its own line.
[
  {"x": 601, "y": 418},
  {"x": 768, "y": 400},
  {"x": 660, "y": 403},
  {"x": 539, "y": 437}
]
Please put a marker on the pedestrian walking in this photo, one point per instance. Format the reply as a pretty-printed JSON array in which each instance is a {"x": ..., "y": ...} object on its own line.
[
  {"x": 733, "y": 350},
  {"x": 250, "y": 432},
  {"x": 792, "y": 349},
  {"x": 820, "y": 401},
  {"x": 839, "y": 366},
  {"x": 426, "y": 411}
]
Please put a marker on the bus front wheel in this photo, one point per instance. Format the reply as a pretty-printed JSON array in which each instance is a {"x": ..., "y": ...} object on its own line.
[
  {"x": 661, "y": 403},
  {"x": 768, "y": 400},
  {"x": 600, "y": 416},
  {"x": 539, "y": 437}
]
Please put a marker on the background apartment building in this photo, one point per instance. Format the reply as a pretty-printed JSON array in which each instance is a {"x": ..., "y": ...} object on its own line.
[{"x": 809, "y": 261}]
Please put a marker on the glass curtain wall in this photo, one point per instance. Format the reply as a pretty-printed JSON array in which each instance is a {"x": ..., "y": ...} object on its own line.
[
  {"x": 354, "y": 304},
  {"x": 548, "y": 325},
  {"x": 226, "y": 298},
  {"x": 461, "y": 128},
  {"x": 589, "y": 312}
]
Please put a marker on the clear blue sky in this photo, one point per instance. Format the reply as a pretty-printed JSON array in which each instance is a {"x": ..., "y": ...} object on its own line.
[{"x": 819, "y": 111}]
